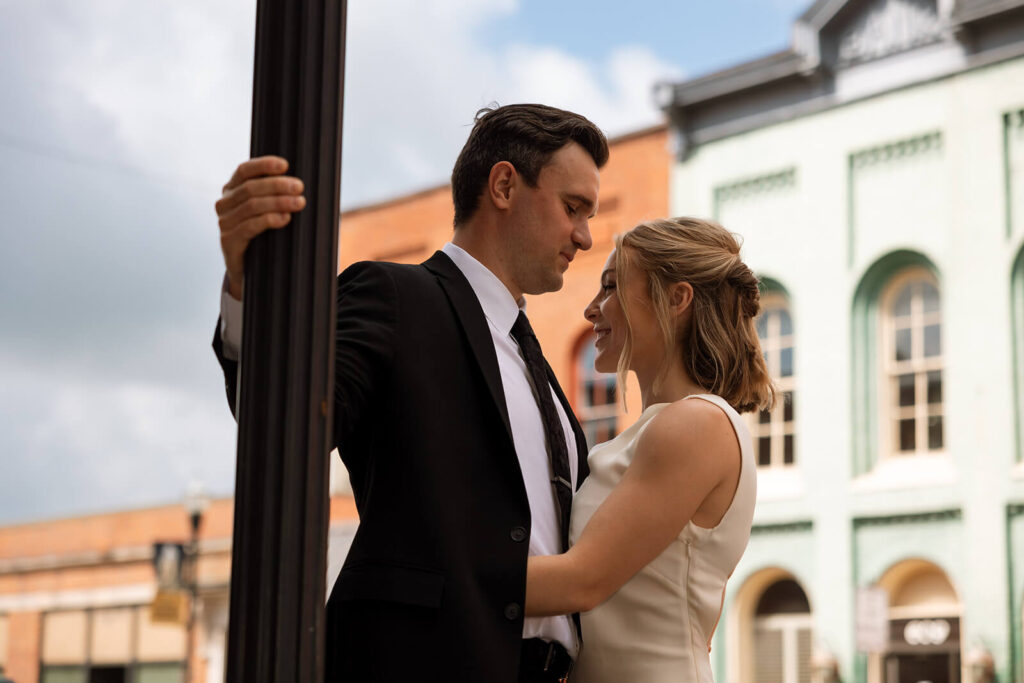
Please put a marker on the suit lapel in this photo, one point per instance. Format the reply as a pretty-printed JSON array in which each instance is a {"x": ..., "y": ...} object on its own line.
[
  {"x": 471, "y": 316},
  {"x": 581, "y": 438}
]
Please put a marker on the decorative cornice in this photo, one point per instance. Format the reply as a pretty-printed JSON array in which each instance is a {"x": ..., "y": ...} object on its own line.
[
  {"x": 771, "y": 528},
  {"x": 953, "y": 514},
  {"x": 829, "y": 37},
  {"x": 921, "y": 144},
  {"x": 889, "y": 27},
  {"x": 125, "y": 555},
  {"x": 761, "y": 184}
]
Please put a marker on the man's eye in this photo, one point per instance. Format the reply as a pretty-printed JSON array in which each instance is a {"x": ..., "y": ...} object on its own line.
[{"x": 570, "y": 209}]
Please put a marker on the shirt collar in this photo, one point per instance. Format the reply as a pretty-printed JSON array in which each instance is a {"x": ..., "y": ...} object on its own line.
[{"x": 499, "y": 306}]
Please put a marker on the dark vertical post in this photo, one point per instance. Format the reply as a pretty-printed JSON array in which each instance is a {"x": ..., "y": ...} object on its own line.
[{"x": 278, "y": 572}]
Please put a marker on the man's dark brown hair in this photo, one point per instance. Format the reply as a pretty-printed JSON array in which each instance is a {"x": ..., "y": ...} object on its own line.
[{"x": 525, "y": 135}]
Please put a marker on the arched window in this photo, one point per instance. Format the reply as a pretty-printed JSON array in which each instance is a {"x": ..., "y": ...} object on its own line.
[
  {"x": 769, "y": 630},
  {"x": 597, "y": 398},
  {"x": 774, "y": 431},
  {"x": 924, "y": 625},
  {"x": 782, "y": 634},
  {"x": 883, "y": 363},
  {"x": 911, "y": 391}
]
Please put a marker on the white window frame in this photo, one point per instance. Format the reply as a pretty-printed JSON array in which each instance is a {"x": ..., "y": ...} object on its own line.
[
  {"x": 585, "y": 373},
  {"x": 772, "y": 345},
  {"x": 890, "y": 370}
]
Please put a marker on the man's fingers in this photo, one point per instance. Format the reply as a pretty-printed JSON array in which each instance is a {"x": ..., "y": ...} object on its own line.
[
  {"x": 256, "y": 206},
  {"x": 235, "y": 241},
  {"x": 256, "y": 167},
  {"x": 258, "y": 187}
]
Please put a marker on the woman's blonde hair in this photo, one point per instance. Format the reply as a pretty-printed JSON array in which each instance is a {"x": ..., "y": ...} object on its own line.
[{"x": 719, "y": 346}]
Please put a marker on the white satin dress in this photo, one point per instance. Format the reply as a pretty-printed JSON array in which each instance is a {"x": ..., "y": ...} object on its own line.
[{"x": 657, "y": 628}]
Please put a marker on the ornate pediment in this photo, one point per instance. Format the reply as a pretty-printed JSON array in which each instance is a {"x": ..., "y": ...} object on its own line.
[{"x": 886, "y": 27}]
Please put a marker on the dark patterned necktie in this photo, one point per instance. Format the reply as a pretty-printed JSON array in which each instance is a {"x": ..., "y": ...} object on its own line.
[{"x": 538, "y": 369}]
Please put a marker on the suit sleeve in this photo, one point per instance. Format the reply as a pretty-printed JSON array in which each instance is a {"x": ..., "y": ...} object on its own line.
[
  {"x": 367, "y": 308},
  {"x": 228, "y": 366},
  {"x": 364, "y": 343}
]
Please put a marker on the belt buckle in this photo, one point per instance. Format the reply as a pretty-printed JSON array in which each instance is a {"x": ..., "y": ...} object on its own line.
[{"x": 550, "y": 655}]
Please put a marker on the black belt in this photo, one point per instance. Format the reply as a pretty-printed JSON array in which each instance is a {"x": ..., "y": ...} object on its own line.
[{"x": 540, "y": 660}]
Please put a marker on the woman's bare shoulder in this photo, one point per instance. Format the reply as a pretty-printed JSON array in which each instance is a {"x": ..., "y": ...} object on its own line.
[{"x": 689, "y": 429}]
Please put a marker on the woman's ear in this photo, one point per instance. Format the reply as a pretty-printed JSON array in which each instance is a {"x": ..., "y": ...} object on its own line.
[
  {"x": 680, "y": 297},
  {"x": 499, "y": 184}
]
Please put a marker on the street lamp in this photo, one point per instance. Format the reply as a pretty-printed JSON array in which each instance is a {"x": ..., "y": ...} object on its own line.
[{"x": 196, "y": 502}]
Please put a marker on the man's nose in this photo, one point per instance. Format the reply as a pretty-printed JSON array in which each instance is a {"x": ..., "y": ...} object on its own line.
[{"x": 582, "y": 238}]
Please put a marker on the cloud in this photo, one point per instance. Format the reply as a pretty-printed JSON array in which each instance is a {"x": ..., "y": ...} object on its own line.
[
  {"x": 120, "y": 121},
  {"x": 103, "y": 445},
  {"x": 422, "y": 94}
]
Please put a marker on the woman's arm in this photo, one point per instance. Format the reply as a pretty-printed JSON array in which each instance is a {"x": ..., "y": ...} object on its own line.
[{"x": 686, "y": 451}]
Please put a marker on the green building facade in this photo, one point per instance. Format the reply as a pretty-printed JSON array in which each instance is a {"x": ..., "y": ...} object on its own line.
[{"x": 875, "y": 170}]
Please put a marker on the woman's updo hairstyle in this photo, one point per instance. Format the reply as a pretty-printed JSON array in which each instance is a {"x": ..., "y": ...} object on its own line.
[{"x": 719, "y": 346}]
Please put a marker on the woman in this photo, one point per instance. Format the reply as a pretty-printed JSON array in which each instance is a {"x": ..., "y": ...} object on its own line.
[{"x": 665, "y": 514}]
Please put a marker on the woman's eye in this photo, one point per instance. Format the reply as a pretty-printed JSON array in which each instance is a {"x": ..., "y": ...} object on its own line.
[{"x": 607, "y": 287}]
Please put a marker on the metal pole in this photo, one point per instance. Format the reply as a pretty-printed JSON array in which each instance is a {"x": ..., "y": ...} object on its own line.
[
  {"x": 276, "y": 627},
  {"x": 192, "y": 578}
]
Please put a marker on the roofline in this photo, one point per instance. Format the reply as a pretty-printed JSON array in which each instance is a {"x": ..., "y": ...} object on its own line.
[
  {"x": 801, "y": 59},
  {"x": 776, "y": 66},
  {"x": 822, "y": 12},
  {"x": 418, "y": 194},
  {"x": 96, "y": 514},
  {"x": 977, "y": 11},
  {"x": 391, "y": 201}
]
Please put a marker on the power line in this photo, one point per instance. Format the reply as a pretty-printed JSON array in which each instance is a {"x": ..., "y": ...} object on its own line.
[{"x": 77, "y": 159}]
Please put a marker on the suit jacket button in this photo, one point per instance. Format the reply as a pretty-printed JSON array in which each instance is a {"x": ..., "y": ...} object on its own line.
[
  {"x": 518, "y": 534},
  {"x": 512, "y": 611}
]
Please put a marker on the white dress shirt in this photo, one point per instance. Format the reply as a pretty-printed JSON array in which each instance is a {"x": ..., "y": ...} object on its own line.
[{"x": 501, "y": 311}]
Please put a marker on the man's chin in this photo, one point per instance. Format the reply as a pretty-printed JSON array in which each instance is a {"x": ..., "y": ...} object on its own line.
[{"x": 552, "y": 284}]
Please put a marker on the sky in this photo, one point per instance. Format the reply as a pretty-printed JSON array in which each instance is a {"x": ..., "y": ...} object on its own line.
[{"x": 119, "y": 123}]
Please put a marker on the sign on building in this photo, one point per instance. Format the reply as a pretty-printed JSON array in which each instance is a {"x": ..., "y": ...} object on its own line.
[
  {"x": 171, "y": 602},
  {"x": 872, "y": 618}
]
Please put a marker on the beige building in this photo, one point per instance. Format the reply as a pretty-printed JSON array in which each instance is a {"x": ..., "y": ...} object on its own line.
[{"x": 76, "y": 596}]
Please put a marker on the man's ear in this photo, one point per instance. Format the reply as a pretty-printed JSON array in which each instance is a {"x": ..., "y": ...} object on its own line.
[
  {"x": 500, "y": 182},
  {"x": 680, "y": 297}
]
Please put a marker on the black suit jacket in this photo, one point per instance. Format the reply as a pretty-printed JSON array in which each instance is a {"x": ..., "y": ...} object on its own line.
[{"x": 434, "y": 583}]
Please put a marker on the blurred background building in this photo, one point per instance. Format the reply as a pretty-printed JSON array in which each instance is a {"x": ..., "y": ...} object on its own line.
[
  {"x": 876, "y": 172},
  {"x": 88, "y": 599}
]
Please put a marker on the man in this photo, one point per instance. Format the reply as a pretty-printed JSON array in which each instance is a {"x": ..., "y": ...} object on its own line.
[{"x": 445, "y": 435}]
